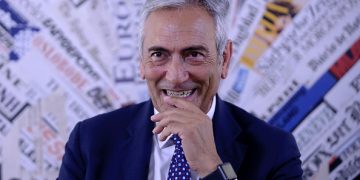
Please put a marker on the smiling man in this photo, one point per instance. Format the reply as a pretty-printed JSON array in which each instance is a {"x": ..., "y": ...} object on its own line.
[{"x": 185, "y": 131}]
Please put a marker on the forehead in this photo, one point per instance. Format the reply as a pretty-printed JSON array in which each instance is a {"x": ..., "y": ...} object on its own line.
[{"x": 190, "y": 24}]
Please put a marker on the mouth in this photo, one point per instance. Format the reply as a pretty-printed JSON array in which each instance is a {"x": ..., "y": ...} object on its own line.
[{"x": 182, "y": 94}]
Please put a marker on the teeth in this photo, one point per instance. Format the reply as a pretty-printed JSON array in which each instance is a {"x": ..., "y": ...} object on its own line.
[{"x": 178, "y": 93}]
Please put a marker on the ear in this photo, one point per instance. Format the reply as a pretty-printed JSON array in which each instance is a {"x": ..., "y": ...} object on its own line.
[{"x": 226, "y": 59}]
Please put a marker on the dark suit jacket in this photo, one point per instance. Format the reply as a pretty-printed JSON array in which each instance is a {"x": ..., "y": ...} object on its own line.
[{"x": 117, "y": 145}]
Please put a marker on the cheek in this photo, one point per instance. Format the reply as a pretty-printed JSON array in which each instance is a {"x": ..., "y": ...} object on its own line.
[
  {"x": 204, "y": 77},
  {"x": 153, "y": 73},
  {"x": 213, "y": 79}
]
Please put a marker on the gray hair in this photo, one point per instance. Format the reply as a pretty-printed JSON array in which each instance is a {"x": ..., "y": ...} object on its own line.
[{"x": 218, "y": 9}]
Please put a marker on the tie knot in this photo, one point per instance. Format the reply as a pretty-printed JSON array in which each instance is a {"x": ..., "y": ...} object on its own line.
[{"x": 176, "y": 139}]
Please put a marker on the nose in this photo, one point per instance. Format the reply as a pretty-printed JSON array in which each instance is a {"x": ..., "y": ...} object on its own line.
[{"x": 176, "y": 71}]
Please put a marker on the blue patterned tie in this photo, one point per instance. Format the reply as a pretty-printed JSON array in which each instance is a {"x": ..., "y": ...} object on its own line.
[{"x": 179, "y": 168}]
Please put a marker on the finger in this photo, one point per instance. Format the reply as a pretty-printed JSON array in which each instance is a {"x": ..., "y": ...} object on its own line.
[
  {"x": 177, "y": 102},
  {"x": 174, "y": 114},
  {"x": 155, "y": 117},
  {"x": 161, "y": 115},
  {"x": 181, "y": 103},
  {"x": 158, "y": 129},
  {"x": 165, "y": 133},
  {"x": 162, "y": 122}
]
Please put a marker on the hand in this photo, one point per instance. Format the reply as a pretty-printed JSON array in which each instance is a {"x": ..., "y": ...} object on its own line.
[{"x": 196, "y": 131}]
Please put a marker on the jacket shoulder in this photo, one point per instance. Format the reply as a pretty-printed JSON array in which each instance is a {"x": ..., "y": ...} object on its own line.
[
  {"x": 268, "y": 145},
  {"x": 255, "y": 127},
  {"x": 120, "y": 117},
  {"x": 105, "y": 127}
]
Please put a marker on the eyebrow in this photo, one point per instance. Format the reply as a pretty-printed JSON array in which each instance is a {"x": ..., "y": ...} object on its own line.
[
  {"x": 190, "y": 48},
  {"x": 196, "y": 48},
  {"x": 157, "y": 48}
]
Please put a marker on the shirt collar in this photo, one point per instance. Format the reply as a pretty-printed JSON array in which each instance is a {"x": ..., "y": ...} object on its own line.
[{"x": 166, "y": 143}]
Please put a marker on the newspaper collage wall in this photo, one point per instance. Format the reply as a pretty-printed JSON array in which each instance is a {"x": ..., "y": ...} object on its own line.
[{"x": 295, "y": 65}]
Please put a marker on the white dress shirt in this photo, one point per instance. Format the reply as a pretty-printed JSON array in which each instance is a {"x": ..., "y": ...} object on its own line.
[{"x": 162, "y": 152}]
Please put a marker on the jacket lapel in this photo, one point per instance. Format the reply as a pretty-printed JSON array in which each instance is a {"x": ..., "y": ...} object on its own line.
[
  {"x": 138, "y": 144},
  {"x": 227, "y": 135}
]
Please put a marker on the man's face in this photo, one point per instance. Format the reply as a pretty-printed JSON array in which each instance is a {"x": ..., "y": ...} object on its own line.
[{"x": 179, "y": 57}]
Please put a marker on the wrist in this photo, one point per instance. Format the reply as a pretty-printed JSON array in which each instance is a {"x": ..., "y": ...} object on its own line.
[
  {"x": 224, "y": 171},
  {"x": 210, "y": 167}
]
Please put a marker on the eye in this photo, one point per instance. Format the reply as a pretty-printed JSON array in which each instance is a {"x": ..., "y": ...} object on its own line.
[
  {"x": 157, "y": 56},
  {"x": 194, "y": 56}
]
